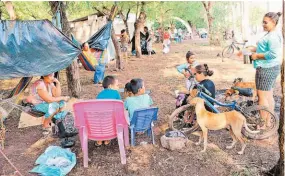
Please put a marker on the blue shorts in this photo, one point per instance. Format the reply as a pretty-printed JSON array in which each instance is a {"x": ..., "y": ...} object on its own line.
[{"x": 51, "y": 108}]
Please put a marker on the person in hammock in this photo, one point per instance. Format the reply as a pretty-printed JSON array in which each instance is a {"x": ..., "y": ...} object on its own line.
[
  {"x": 46, "y": 97},
  {"x": 98, "y": 64}
]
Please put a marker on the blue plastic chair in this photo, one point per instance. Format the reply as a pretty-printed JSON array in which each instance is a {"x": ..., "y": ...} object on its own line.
[{"x": 143, "y": 121}]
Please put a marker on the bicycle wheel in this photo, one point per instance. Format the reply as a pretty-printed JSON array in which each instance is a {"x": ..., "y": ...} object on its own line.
[
  {"x": 228, "y": 51},
  {"x": 176, "y": 120},
  {"x": 253, "y": 119}
]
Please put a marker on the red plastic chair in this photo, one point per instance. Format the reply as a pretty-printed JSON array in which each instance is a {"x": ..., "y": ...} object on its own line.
[{"x": 101, "y": 120}]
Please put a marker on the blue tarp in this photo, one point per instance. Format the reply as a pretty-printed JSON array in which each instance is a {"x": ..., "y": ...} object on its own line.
[
  {"x": 33, "y": 48},
  {"x": 101, "y": 38}
]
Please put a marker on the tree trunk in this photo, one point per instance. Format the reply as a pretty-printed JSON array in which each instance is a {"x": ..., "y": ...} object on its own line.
[
  {"x": 10, "y": 9},
  {"x": 245, "y": 20},
  {"x": 125, "y": 20},
  {"x": 72, "y": 71},
  {"x": 117, "y": 49},
  {"x": 138, "y": 4},
  {"x": 112, "y": 14},
  {"x": 139, "y": 24},
  {"x": 278, "y": 169},
  {"x": 208, "y": 5}
]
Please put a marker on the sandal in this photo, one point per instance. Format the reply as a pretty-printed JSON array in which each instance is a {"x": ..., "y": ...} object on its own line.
[
  {"x": 98, "y": 143},
  {"x": 107, "y": 143},
  {"x": 47, "y": 131}
]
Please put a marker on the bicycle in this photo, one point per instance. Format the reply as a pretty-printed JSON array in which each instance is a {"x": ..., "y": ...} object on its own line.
[
  {"x": 251, "y": 112},
  {"x": 228, "y": 51}
]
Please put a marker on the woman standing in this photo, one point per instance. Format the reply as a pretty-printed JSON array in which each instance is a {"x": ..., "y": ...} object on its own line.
[{"x": 267, "y": 56}]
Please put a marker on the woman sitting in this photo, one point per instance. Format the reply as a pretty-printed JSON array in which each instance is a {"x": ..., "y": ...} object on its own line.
[
  {"x": 202, "y": 72},
  {"x": 46, "y": 97}
]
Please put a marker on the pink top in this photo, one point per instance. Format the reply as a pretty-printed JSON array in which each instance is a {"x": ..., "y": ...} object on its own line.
[{"x": 39, "y": 84}]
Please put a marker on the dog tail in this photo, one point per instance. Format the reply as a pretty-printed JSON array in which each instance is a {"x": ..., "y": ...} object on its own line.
[{"x": 248, "y": 129}]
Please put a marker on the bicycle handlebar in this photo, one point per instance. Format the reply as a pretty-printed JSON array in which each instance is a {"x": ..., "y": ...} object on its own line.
[
  {"x": 199, "y": 86},
  {"x": 190, "y": 72}
]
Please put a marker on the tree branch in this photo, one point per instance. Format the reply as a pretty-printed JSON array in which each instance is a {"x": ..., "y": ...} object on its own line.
[
  {"x": 209, "y": 5},
  {"x": 99, "y": 11},
  {"x": 10, "y": 10},
  {"x": 205, "y": 5},
  {"x": 143, "y": 3},
  {"x": 105, "y": 8},
  {"x": 167, "y": 10},
  {"x": 127, "y": 16}
]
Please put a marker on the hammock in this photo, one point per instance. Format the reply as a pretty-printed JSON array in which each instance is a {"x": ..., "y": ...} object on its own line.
[
  {"x": 86, "y": 61},
  {"x": 98, "y": 42},
  {"x": 24, "y": 82}
]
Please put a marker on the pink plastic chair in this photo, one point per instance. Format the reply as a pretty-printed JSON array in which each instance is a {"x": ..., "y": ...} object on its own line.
[{"x": 101, "y": 120}]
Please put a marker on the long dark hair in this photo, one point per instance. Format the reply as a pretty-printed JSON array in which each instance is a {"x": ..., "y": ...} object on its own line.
[{"x": 204, "y": 69}]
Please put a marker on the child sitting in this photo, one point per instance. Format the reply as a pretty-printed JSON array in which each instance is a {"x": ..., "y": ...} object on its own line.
[
  {"x": 190, "y": 64},
  {"x": 139, "y": 100},
  {"x": 128, "y": 91},
  {"x": 110, "y": 84},
  {"x": 190, "y": 83}
]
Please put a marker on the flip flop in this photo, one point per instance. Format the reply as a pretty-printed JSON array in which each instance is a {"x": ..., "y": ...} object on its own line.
[
  {"x": 108, "y": 143},
  {"x": 97, "y": 144},
  {"x": 47, "y": 131}
]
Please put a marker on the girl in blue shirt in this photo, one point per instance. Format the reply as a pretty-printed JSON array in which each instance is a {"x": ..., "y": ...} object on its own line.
[
  {"x": 190, "y": 64},
  {"x": 267, "y": 56}
]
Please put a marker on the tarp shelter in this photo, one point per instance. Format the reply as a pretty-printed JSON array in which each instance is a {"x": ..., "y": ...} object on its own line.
[
  {"x": 100, "y": 41},
  {"x": 37, "y": 48},
  {"x": 33, "y": 48}
]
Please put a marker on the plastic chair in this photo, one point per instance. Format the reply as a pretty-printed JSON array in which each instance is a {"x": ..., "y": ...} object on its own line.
[
  {"x": 143, "y": 121},
  {"x": 101, "y": 120}
]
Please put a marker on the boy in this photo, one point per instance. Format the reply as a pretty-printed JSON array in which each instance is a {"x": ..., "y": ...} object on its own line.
[
  {"x": 110, "y": 84},
  {"x": 128, "y": 90},
  {"x": 139, "y": 99},
  {"x": 124, "y": 44}
]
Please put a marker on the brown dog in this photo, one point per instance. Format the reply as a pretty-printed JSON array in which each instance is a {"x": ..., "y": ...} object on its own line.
[
  {"x": 238, "y": 82},
  {"x": 208, "y": 120}
]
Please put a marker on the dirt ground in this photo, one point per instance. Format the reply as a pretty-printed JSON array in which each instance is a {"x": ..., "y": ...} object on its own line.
[{"x": 162, "y": 79}]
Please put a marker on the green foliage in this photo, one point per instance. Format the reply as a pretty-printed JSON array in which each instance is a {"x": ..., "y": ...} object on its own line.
[
  {"x": 29, "y": 10},
  {"x": 178, "y": 25},
  {"x": 255, "y": 16},
  {"x": 78, "y": 9},
  {"x": 193, "y": 12},
  {"x": 157, "y": 12},
  {"x": 222, "y": 13}
]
